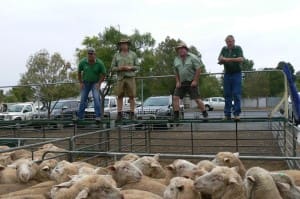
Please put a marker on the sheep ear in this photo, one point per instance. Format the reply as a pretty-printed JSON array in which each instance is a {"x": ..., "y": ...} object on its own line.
[
  {"x": 83, "y": 194},
  {"x": 227, "y": 160},
  {"x": 156, "y": 157},
  {"x": 154, "y": 165},
  {"x": 64, "y": 184},
  {"x": 2, "y": 167},
  {"x": 46, "y": 168},
  {"x": 283, "y": 186},
  {"x": 251, "y": 179},
  {"x": 170, "y": 167},
  {"x": 233, "y": 180},
  {"x": 13, "y": 166},
  {"x": 111, "y": 168},
  {"x": 236, "y": 154}
]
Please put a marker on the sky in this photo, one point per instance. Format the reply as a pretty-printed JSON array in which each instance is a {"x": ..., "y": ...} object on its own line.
[{"x": 268, "y": 31}]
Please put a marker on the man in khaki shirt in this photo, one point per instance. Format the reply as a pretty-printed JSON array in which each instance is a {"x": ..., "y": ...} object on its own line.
[
  {"x": 125, "y": 63},
  {"x": 187, "y": 73}
]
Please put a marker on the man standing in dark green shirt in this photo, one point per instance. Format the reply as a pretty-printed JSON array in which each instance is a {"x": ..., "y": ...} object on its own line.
[
  {"x": 91, "y": 73},
  {"x": 231, "y": 56}
]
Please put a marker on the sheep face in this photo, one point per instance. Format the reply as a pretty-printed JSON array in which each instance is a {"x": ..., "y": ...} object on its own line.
[
  {"x": 25, "y": 169},
  {"x": 179, "y": 167},
  {"x": 150, "y": 167},
  {"x": 125, "y": 172},
  {"x": 45, "y": 169},
  {"x": 62, "y": 170},
  {"x": 206, "y": 165},
  {"x": 226, "y": 159},
  {"x": 181, "y": 188},
  {"x": 217, "y": 179}
]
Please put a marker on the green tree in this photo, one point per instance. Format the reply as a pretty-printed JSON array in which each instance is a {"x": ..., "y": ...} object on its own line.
[
  {"x": 47, "y": 76},
  {"x": 247, "y": 65}
]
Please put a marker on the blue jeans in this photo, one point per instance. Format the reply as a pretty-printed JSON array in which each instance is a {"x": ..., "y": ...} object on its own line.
[
  {"x": 84, "y": 97},
  {"x": 232, "y": 89}
]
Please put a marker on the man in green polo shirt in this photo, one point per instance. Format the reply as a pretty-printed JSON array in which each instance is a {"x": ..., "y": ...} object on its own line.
[
  {"x": 187, "y": 71},
  {"x": 231, "y": 56},
  {"x": 91, "y": 73},
  {"x": 125, "y": 63}
]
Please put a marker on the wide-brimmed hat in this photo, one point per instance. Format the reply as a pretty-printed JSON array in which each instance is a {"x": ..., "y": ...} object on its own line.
[
  {"x": 181, "y": 45},
  {"x": 124, "y": 40},
  {"x": 90, "y": 50}
]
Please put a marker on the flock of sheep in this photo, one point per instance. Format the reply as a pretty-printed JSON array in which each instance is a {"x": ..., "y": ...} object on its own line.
[{"x": 134, "y": 177}]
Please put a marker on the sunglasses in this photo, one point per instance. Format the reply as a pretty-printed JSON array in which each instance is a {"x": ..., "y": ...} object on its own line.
[{"x": 91, "y": 53}]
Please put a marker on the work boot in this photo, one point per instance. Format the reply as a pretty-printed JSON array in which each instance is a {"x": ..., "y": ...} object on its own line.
[
  {"x": 131, "y": 115},
  {"x": 119, "y": 117},
  {"x": 227, "y": 118},
  {"x": 237, "y": 118},
  {"x": 176, "y": 116}
]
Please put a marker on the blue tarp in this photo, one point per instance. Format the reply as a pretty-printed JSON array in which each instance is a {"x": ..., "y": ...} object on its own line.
[{"x": 293, "y": 93}]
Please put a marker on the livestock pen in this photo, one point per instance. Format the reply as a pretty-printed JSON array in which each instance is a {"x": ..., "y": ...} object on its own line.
[
  {"x": 269, "y": 140},
  {"x": 271, "y": 143}
]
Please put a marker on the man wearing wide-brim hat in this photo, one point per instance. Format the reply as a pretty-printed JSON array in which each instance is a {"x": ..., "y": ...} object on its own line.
[
  {"x": 187, "y": 67},
  {"x": 125, "y": 64}
]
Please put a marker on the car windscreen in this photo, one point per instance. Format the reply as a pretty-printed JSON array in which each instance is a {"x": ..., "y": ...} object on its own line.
[
  {"x": 58, "y": 105},
  {"x": 15, "y": 108},
  {"x": 157, "y": 101}
]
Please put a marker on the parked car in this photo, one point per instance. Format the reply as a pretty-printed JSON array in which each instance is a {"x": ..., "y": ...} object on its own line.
[
  {"x": 19, "y": 111},
  {"x": 110, "y": 108},
  {"x": 212, "y": 103},
  {"x": 159, "y": 107},
  {"x": 64, "y": 109}
]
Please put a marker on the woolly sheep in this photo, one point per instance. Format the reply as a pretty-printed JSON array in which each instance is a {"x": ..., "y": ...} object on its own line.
[
  {"x": 179, "y": 167},
  {"x": 44, "y": 170},
  {"x": 150, "y": 166},
  {"x": 25, "y": 169},
  {"x": 130, "y": 157},
  {"x": 181, "y": 188},
  {"x": 221, "y": 183},
  {"x": 40, "y": 190},
  {"x": 259, "y": 184},
  {"x": 229, "y": 159},
  {"x": 124, "y": 172},
  {"x": 62, "y": 171},
  {"x": 89, "y": 186},
  {"x": 128, "y": 176},
  {"x": 207, "y": 165},
  {"x": 7, "y": 175},
  {"x": 286, "y": 186},
  {"x": 294, "y": 174}
]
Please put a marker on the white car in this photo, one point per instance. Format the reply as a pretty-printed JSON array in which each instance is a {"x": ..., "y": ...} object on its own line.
[
  {"x": 20, "y": 111},
  {"x": 110, "y": 108},
  {"x": 212, "y": 103}
]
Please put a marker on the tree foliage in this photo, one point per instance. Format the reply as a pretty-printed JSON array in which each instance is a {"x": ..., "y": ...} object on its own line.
[{"x": 47, "y": 75}]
